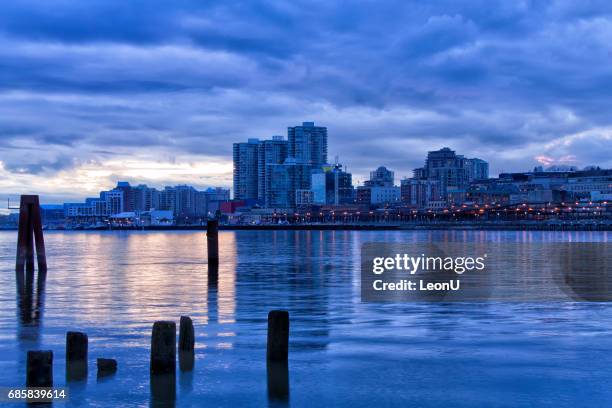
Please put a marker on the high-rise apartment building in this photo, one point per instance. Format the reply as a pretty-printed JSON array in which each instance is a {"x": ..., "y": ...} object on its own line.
[
  {"x": 258, "y": 165},
  {"x": 308, "y": 144},
  {"x": 452, "y": 172},
  {"x": 448, "y": 168},
  {"x": 167, "y": 199},
  {"x": 477, "y": 169},
  {"x": 284, "y": 181},
  {"x": 273, "y": 151},
  {"x": 185, "y": 201},
  {"x": 128, "y": 195},
  {"x": 145, "y": 198},
  {"x": 246, "y": 174}
]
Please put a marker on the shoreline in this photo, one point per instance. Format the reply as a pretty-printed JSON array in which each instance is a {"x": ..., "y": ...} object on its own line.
[{"x": 362, "y": 227}]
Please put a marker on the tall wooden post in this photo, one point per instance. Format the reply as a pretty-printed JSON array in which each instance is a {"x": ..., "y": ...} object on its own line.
[
  {"x": 163, "y": 364},
  {"x": 277, "y": 355},
  {"x": 186, "y": 344},
  {"x": 212, "y": 238},
  {"x": 163, "y": 347},
  {"x": 76, "y": 356},
  {"x": 278, "y": 335},
  {"x": 30, "y": 235}
]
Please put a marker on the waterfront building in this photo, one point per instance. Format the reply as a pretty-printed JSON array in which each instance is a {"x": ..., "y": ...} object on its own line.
[
  {"x": 318, "y": 186},
  {"x": 455, "y": 195},
  {"x": 113, "y": 201},
  {"x": 417, "y": 193},
  {"x": 167, "y": 199},
  {"x": 156, "y": 218},
  {"x": 363, "y": 195},
  {"x": 419, "y": 173},
  {"x": 543, "y": 186},
  {"x": 208, "y": 202},
  {"x": 285, "y": 179},
  {"x": 256, "y": 165},
  {"x": 128, "y": 195},
  {"x": 380, "y": 195},
  {"x": 303, "y": 198},
  {"x": 446, "y": 167},
  {"x": 246, "y": 162},
  {"x": 273, "y": 151},
  {"x": 332, "y": 186},
  {"x": 145, "y": 198},
  {"x": 100, "y": 206},
  {"x": 591, "y": 183},
  {"x": 436, "y": 205},
  {"x": 186, "y": 204},
  {"x": 491, "y": 191},
  {"x": 78, "y": 210},
  {"x": 381, "y": 177},
  {"x": 52, "y": 214},
  {"x": 185, "y": 201},
  {"x": 308, "y": 144},
  {"x": 379, "y": 189},
  {"x": 124, "y": 219},
  {"x": 477, "y": 169}
]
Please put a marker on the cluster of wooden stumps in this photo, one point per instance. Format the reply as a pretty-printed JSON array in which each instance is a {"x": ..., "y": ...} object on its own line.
[
  {"x": 163, "y": 355},
  {"x": 39, "y": 371}
]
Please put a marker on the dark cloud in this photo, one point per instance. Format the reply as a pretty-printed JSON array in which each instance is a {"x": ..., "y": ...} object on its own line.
[
  {"x": 37, "y": 167},
  {"x": 507, "y": 81}
]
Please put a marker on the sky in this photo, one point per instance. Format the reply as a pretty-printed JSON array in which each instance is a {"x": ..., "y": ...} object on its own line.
[{"x": 157, "y": 91}]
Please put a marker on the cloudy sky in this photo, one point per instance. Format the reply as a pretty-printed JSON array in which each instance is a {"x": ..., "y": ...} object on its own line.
[{"x": 156, "y": 91}]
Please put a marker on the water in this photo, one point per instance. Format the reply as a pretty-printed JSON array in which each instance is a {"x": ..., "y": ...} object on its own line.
[{"x": 114, "y": 285}]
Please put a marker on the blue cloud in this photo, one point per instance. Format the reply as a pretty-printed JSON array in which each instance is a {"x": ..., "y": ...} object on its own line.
[{"x": 497, "y": 79}]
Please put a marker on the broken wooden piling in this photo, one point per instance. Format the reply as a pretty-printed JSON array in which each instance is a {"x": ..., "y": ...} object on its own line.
[
  {"x": 76, "y": 355},
  {"x": 186, "y": 344},
  {"x": 163, "y": 347},
  {"x": 278, "y": 335},
  {"x": 106, "y": 366},
  {"x": 212, "y": 239},
  {"x": 39, "y": 371}
]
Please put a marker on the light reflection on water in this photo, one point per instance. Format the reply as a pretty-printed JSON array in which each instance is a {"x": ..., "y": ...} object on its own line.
[{"x": 114, "y": 285}]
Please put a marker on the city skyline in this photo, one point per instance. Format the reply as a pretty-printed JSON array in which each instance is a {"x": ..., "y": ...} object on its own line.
[
  {"x": 157, "y": 95},
  {"x": 136, "y": 181}
]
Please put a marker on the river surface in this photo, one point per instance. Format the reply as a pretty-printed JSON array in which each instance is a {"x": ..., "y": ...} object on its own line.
[{"x": 343, "y": 352}]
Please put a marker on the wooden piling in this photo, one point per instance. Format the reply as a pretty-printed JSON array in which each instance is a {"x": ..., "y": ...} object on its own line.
[
  {"x": 39, "y": 371},
  {"x": 278, "y": 335},
  {"x": 30, "y": 235},
  {"x": 186, "y": 334},
  {"x": 163, "y": 390},
  {"x": 106, "y": 366},
  {"x": 76, "y": 356},
  {"x": 213, "y": 275},
  {"x": 212, "y": 239},
  {"x": 163, "y": 347},
  {"x": 278, "y": 380},
  {"x": 186, "y": 344},
  {"x": 76, "y": 346}
]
